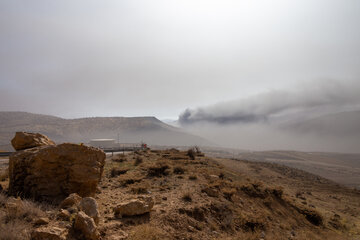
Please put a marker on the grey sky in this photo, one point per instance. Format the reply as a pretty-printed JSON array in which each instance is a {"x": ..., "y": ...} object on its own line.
[{"x": 134, "y": 58}]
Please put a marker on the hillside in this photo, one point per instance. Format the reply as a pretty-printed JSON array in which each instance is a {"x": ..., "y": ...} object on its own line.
[
  {"x": 129, "y": 129},
  {"x": 208, "y": 198}
]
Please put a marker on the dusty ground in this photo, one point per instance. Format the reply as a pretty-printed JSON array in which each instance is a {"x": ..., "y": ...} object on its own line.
[
  {"x": 342, "y": 168},
  {"x": 219, "y": 198}
]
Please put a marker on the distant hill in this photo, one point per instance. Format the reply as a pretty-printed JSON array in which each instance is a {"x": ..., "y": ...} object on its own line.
[{"x": 129, "y": 129}]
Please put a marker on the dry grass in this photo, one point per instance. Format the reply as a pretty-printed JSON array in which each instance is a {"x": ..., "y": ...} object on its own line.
[
  {"x": 4, "y": 175},
  {"x": 17, "y": 217},
  {"x": 158, "y": 170},
  {"x": 148, "y": 232}
]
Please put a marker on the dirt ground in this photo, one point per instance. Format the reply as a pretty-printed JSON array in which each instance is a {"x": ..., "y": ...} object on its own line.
[{"x": 198, "y": 197}]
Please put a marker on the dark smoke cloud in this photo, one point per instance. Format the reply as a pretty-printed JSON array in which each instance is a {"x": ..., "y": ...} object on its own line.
[{"x": 310, "y": 100}]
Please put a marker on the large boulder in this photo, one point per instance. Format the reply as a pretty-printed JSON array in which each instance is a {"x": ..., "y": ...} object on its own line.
[
  {"x": 51, "y": 173},
  {"x": 24, "y": 140},
  {"x": 134, "y": 207}
]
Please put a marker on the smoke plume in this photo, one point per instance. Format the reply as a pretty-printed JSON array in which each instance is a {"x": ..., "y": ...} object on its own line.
[{"x": 306, "y": 101}]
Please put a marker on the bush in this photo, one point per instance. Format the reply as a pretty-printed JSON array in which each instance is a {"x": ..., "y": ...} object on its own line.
[
  {"x": 115, "y": 171},
  {"x": 138, "y": 161},
  {"x": 191, "y": 153},
  {"x": 119, "y": 158},
  {"x": 179, "y": 170},
  {"x": 186, "y": 197},
  {"x": 192, "y": 177},
  {"x": 158, "y": 171}
]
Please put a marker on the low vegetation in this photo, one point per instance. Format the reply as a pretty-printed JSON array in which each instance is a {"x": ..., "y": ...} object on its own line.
[{"x": 196, "y": 198}]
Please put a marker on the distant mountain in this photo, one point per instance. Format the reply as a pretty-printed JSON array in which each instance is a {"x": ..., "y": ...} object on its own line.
[
  {"x": 344, "y": 124},
  {"x": 127, "y": 129}
]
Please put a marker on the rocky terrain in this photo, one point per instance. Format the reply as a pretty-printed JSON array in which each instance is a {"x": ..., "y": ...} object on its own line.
[{"x": 172, "y": 194}]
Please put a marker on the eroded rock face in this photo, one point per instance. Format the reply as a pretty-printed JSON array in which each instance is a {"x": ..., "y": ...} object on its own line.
[
  {"x": 51, "y": 173},
  {"x": 24, "y": 140},
  {"x": 86, "y": 225},
  {"x": 133, "y": 207}
]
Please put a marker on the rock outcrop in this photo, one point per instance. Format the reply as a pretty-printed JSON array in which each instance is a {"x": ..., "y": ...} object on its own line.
[
  {"x": 24, "y": 140},
  {"x": 51, "y": 172},
  {"x": 133, "y": 207}
]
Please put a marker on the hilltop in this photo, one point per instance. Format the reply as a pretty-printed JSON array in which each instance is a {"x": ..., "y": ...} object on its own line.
[{"x": 129, "y": 129}]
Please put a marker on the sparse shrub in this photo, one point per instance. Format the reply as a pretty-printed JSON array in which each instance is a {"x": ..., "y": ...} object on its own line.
[
  {"x": 191, "y": 154},
  {"x": 4, "y": 175},
  {"x": 277, "y": 192},
  {"x": 228, "y": 193},
  {"x": 198, "y": 152},
  {"x": 14, "y": 230},
  {"x": 115, "y": 171},
  {"x": 221, "y": 176},
  {"x": 311, "y": 215},
  {"x": 3, "y": 199},
  {"x": 139, "y": 189},
  {"x": 18, "y": 217},
  {"x": 179, "y": 170},
  {"x": 254, "y": 190},
  {"x": 119, "y": 158},
  {"x": 138, "y": 161},
  {"x": 186, "y": 197},
  {"x": 253, "y": 225},
  {"x": 130, "y": 178},
  {"x": 192, "y": 177},
  {"x": 158, "y": 171},
  {"x": 196, "y": 212},
  {"x": 25, "y": 210}
]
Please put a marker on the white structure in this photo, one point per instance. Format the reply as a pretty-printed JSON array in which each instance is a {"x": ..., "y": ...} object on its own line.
[{"x": 103, "y": 143}]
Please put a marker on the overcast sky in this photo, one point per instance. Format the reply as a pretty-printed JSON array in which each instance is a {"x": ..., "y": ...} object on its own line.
[{"x": 134, "y": 58}]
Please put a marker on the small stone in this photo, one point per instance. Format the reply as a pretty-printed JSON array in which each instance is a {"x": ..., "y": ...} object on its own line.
[
  {"x": 64, "y": 215},
  {"x": 42, "y": 221},
  {"x": 86, "y": 225},
  {"x": 90, "y": 207},
  {"x": 133, "y": 207},
  {"x": 71, "y": 200},
  {"x": 46, "y": 233},
  {"x": 211, "y": 192}
]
